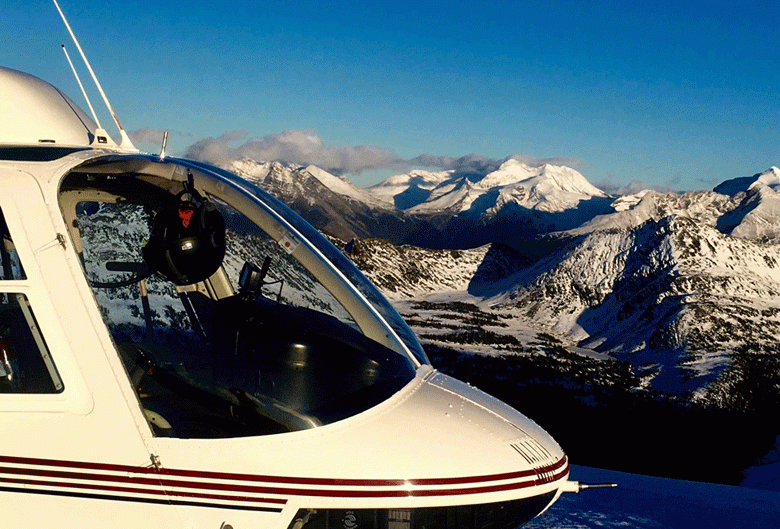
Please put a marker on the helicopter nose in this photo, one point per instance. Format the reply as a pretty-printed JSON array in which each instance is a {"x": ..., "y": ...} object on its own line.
[
  {"x": 523, "y": 435},
  {"x": 490, "y": 438}
]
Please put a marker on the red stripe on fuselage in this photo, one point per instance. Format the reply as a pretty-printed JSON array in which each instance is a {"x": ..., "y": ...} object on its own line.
[{"x": 162, "y": 477}]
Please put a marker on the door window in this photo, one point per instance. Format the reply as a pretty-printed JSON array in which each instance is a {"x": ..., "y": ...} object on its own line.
[
  {"x": 10, "y": 267},
  {"x": 25, "y": 364}
]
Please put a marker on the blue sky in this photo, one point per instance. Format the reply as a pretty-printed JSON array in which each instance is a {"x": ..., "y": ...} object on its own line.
[{"x": 675, "y": 94}]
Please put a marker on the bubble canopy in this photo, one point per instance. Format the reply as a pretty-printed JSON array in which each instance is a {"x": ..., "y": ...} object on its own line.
[
  {"x": 286, "y": 334},
  {"x": 328, "y": 253}
]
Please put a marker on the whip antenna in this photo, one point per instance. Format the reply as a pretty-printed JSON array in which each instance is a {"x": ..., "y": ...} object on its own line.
[
  {"x": 101, "y": 136},
  {"x": 78, "y": 79},
  {"x": 125, "y": 142}
]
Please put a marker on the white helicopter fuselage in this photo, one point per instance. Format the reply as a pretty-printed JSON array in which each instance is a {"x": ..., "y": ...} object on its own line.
[{"x": 115, "y": 439}]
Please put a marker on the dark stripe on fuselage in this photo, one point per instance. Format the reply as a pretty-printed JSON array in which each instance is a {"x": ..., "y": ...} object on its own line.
[
  {"x": 286, "y": 480},
  {"x": 159, "y": 481},
  {"x": 135, "y": 499}
]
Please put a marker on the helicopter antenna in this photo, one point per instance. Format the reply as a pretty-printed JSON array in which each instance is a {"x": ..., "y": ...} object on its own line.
[
  {"x": 164, "y": 146},
  {"x": 78, "y": 79},
  {"x": 125, "y": 142},
  {"x": 101, "y": 136}
]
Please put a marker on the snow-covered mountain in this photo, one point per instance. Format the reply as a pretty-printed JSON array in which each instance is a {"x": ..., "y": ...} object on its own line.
[
  {"x": 656, "y": 320},
  {"x": 547, "y": 188},
  {"x": 442, "y": 209},
  {"x": 296, "y": 180},
  {"x": 677, "y": 285},
  {"x": 330, "y": 203},
  {"x": 758, "y": 214},
  {"x": 673, "y": 296},
  {"x": 407, "y": 190}
]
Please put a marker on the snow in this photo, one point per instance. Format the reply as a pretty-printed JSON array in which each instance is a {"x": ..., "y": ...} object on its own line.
[
  {"x": 759, "y": 211},
  {"x": 547, "y": 179},
  {"x": 252, "y": 170},
  {"x": 344, "y": 187},
  {"x": 769, "y": 178},
  {"x": 546, "y": 188},
  {"x": 288, "y": 175},
  {"x": 765, "y": 473},
  {"x": 510, "y": 172},
  {"x": 643, "y": 502},
  {"x": 387, "y": 190},
  {"x": 408, "y": 272},
  {"x": 659, "y": 271},
  {"x": 628, "y": 201},
  {"x": 452, "y": 197}
]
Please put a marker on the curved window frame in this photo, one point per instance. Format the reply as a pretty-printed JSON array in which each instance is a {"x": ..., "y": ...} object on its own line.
[
  {"x": 133, "y": 179},
  {"x": 394, "y": 332}
]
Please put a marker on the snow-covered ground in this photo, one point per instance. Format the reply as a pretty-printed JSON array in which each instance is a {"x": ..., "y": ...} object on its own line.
[
  {"x": 644, "y": 502},
  {"x": 765, "y": 473},
  {"x": 456, "y": 320}
]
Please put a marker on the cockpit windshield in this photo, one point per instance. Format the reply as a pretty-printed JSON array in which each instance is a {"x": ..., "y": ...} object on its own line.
[
  {"x": 232, "y": 316},
  {"x": 336, "y": 258}
]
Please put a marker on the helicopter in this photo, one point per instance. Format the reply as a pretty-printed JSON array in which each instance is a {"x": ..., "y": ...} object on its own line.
[{"x": 179, "y": 349}]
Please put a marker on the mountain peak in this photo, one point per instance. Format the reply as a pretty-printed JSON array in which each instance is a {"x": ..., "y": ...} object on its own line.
[
  {"x": 342, "y": 186},
  {"x": 510, "y": 172},
  {"x": 254, "y": 169},
  {"x": 769, "y": 178},
  {"x": 544, "y": 179},
  {"x": 407, "y": 190},
  {"x": 549, "y": 188}
]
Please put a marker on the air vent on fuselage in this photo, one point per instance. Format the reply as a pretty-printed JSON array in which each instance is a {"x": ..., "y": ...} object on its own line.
[{"x": 532, "y": 451}]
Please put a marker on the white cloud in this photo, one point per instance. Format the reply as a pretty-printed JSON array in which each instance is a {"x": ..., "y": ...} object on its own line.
[
  {"x": 478, "y": 164},
  {"x": 151, "y": 139},
  {"x": 574, "y": 163},
  {"x": 233, "y": 135},
  {"x": 305, "y": 147},
  {"x": 471, "y": 163},
  {"x": 302, "y": 147},
  {"x": 146, "y": 135},
  {"x": 634, "y": 186}
]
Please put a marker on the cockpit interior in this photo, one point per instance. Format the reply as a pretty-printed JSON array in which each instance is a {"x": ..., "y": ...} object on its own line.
[{"x": 228, "y": 318}]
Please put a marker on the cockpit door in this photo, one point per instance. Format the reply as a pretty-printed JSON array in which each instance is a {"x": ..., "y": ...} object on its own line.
[{"x": 66, "y": 406}]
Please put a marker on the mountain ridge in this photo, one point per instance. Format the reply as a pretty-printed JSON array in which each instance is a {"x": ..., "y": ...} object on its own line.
[
  {"x": 653, "y": 283},
  {"x": 631, "y": 316},
  {"x": 444, "y": 210}
]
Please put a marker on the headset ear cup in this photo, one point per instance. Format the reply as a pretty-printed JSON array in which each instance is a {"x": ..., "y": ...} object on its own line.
[
  {"x": 213, "y": 237},
  {"x": 186, "y": 253},
  {"x": 154, "y": 249}
]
